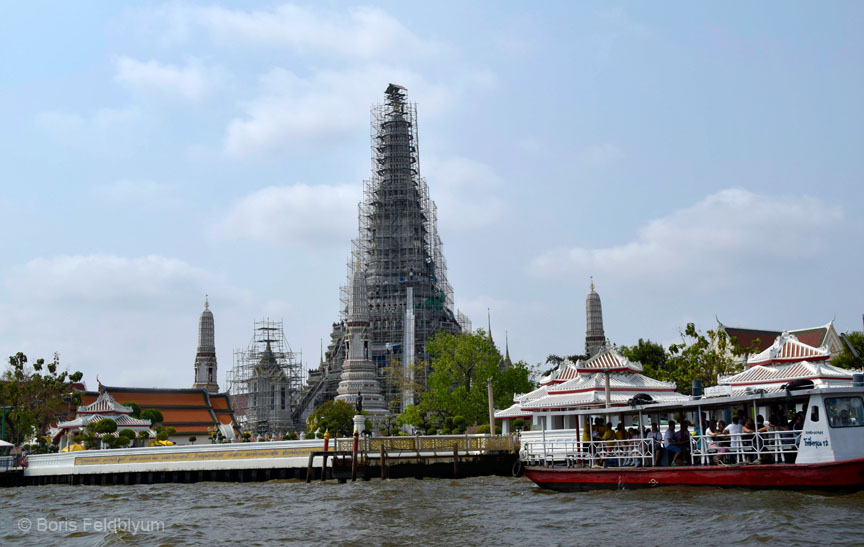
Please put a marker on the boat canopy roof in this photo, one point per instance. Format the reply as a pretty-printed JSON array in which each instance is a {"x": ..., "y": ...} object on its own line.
[{"x": 720, "y": 402}]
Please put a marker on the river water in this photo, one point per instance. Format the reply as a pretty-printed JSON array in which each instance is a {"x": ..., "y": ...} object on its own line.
[{"x": 473, "y": 511}]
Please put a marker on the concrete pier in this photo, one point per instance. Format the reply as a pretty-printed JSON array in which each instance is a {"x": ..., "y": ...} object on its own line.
[{"x": 432, "y": 456}]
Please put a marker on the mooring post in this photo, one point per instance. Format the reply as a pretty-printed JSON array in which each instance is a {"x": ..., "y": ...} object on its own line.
[
  {"x": 383, "y": 461},
  {"x": 354, "y": 456},
  {"x": 456, "y": 459},
  {"x": 324, "y": 459},
  {"x": 309, "y": 467}
]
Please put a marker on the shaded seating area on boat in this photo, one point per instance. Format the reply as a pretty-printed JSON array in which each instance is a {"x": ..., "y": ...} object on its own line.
[{"x": 651, "y": 437}]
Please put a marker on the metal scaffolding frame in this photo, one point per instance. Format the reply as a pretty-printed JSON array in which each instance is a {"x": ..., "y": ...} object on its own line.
[
  {"x": 398, "y": 246},
  {"x": 266, "y": 382}
]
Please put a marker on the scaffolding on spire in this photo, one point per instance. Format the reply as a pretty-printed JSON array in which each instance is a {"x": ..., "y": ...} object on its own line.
[
  {"x": 398, "y": 246},
  {"x": 266, "y": 382}
]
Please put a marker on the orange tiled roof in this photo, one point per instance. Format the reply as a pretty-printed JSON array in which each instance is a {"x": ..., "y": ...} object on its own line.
[
  {"x": 220, "y": 401},
  {"x": 157, "y": 399},
  {"x": 187, "y": 410},
  {"x": 172, "y": 415}
]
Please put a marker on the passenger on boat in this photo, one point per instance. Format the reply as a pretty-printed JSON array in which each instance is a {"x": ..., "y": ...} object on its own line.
[
  {"x": 798, "y": 427},
  {"x": 672, "y": 444},
  {"x": 749, "y": 439},
  {"x": 656, "y": 439},
  {"x": 634, "y": 449},
  {"x": 716, "y": 440},
  {"x": 734, "y": 431},
  {"x": 684, "y": 442}
]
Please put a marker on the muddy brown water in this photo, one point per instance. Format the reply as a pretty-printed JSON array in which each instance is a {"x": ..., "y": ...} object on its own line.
[{"x": 473, "y": 511}]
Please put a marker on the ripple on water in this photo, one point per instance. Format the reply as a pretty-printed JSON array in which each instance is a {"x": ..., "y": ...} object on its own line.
[{"x": 483, "y": 510}]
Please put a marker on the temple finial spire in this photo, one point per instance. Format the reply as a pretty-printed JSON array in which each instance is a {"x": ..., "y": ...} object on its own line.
[
  {"x": 206, "y": 301},
  {"x": 592, "y": 282},
  {"x": 506, "y": 346}
]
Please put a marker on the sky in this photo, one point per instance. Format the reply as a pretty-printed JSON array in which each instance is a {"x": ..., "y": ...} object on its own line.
[{"x": 699, "y": 160}]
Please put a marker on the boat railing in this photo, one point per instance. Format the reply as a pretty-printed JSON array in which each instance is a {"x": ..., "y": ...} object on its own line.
[
  {"x": 764, "y": 447},
  {"x": 574, "y": 453}
]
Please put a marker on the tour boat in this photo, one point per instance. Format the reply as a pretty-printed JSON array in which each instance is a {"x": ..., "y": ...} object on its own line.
[{"x": 826, "y": 453}]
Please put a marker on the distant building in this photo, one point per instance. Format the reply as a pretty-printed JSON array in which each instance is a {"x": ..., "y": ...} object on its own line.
[
  {"x": 595, "y": 338},
  {"x": 192, "y": 412},
  {"x": 103, "y": 407},
  {"x": 206, "y": 370},
  {"x": 824, "y": 336},
  {"x": 606, "y": 379},
  {"x": 787, "y": 359},
  {"x": 266, "y": 383}
]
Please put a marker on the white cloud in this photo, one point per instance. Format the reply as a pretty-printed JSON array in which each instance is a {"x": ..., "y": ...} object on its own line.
[
  {"x": 132, "y": 320},
  {"x": 466, "y": 192},
  {"x": 108, "y": 280},
  {"x": 298, "y": 214},
  {"x": 712, "y": 242},
  {"x": 292, "y": 113},
  {"x": 356, "y": 33},
  {"x": 190, "y": 82}
]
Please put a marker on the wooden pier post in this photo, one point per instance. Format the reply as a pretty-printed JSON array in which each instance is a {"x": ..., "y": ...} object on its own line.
[
  {"x": 456, "y": 459},
  {"x": 309, "y": 467},
  {"x": 354, "y": 456},
  {"x": 383, "y": 462}
]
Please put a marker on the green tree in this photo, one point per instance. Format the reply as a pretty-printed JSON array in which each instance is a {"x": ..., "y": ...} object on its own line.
[
  {"x": 153, "y": 415},
  {"x": 106, "y": 425},
  {"x": 461, "y": 365},
  {"x": 38, "y": 396},
  {"x": 651, "y": 355},
  {"x": 122, "y": 441},
  {"x": 336, "y": 416},
  {"x": 699, "y": 357},
  {"x": 193, "y": 438},
  {"x": 136, "y": 409},
  {"x": 847, "y": 358}
]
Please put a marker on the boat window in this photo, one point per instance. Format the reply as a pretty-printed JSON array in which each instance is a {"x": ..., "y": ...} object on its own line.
[
  {"x": 814, "y": 414},
  {"x": 845, "y": 411}
]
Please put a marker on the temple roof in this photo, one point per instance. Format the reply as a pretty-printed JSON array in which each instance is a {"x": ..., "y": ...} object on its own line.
[
  {"x": 588, "y": 381},
  {"x": 514, "y": 411},
  {"x": 104, "y": 403},
  {"x": 598, "y": 397},
  {"x": 609, "y": 359},
  {"x": 122, "y": 420},
  {"x": 813, "y": 336},
  {"x": 590, "y": 388},
  {"x": 786, "y": 348},
  {"x": 186, "y": 410},
  {"x": 804, "y": 370}
]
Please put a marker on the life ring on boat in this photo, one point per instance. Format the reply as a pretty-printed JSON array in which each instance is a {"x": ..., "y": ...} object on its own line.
[
  {"x": 517, "y": 468},
  {"x": 653, "y": 482}
]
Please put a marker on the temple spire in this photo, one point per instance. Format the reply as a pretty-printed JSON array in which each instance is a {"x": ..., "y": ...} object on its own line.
[
  {"x": 595, "y": 337},
  {"x": 507, "y": 361},
  {"x": 206, "y": 370}
]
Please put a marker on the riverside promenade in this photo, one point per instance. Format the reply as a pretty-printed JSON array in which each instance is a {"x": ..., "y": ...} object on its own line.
[{"x": 392, "y": 457}]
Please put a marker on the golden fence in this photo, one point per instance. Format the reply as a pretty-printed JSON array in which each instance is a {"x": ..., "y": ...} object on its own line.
[{"x": 435, "y": 444}]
